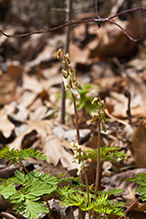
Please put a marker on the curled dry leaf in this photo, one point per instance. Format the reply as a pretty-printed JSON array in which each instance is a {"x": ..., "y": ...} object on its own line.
[
  {"x": 137, "y": 88},
  {"x": 41, "y": 127},
  {"x": 55, "y": 148},
  {"x": 118, "y": 180},
  {"x": 10, "y": 84},
  {"x": 6, "y": 126}
]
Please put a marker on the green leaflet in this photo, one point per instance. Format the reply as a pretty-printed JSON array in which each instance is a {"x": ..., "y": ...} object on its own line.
[
  {"x": 7, "y": 190},
  {"x": 141, "y": 180},
  {"x": 106, "y": 153},
  {"x": 71, "y": 196},
  {"x": 34, "y": 208},
  {"x": 33, "y": 185},
  {"x": 15, "y": 155}
]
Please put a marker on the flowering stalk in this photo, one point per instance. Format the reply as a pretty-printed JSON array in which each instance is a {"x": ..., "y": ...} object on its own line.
[
  {"x": 101, "y": 119},
  {"x": 81, "y": 167},
  {"x": 71, "y": 84}
]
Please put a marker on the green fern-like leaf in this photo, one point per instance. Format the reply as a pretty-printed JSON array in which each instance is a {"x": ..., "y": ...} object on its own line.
[
  {"x": 7, "y": 190},
  {"x": 141, "y": 180},
  {"x": 104, "y": 206},
  {"x": 106, "y": 153},
  {"x": 33, "y": 185},
  {"x": 15, "y": 155},
  {"x": 34, "y": 208}
]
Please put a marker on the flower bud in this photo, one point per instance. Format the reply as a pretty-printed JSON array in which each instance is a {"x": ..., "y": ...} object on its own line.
[{"x": 58, "y": 53}]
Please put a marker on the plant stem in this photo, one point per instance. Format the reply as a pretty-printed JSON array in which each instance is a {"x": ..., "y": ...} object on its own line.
[
  {"x": 87, "y": 190},
  {"x": 66, "y": 49},
  {"x": 80, "y": 214},
  {"x": 98, "y": 161},
  {"x": 76, "y": 120},
  {"x": 79, "y": 142},
  {"x": 130, "y": 207},
  {"x": 72, "y": 212}
]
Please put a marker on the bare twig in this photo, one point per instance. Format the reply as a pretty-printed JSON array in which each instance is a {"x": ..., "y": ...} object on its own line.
[
  {"x": 98, "y": 20},
  {"x": 130, "y": 207},
  {"x": 128, "y": 111},
  {"x": 96, "y": 9}
]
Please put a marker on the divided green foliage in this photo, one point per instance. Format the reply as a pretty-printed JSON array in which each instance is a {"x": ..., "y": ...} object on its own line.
[
  {"x": 106, "y": 153},
  {"x": 85, "y": 101},
  {"x": 15, "y": 155},
  {"x": 7, "y": 189},
  {"x": 33, "y": 185},
  {"x": 71, "y": 196},
  {"x": 102, "y": 205},
  {"x": 141, "y": 180}
]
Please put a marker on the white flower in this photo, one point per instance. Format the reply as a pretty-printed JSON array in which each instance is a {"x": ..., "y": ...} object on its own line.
[
  {"x": 66, "y": 82},
  {"x": 80, "y": 167},
  {"x": 75, "y": 93}
]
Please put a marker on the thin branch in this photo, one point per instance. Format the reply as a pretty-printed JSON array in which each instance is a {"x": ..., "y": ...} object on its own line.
[
  {"x": 136, "y": 39},
  {"x": 96, "y": 9},
  {"x": 71, "y": 23},
  {"x": 48, "y": 30},
  {"x": 127, "y": 11}
]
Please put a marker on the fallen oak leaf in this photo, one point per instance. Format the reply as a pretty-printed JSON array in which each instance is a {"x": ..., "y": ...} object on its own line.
[
  {"x": 41, "y": 127},
  {"x": 6, "y": 127},
  {"x": 54, "y": 147},
  {"x": 57, "y": 149}
]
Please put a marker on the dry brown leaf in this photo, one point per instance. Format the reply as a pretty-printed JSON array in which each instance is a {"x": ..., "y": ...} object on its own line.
[
  {"x": 77, "y": 55},
  {"x": 32, "y": 47},
  {"x": 27, "y": 98},
  {"x": 41, "y": 127},
  {"x": 130, "y": 198},
  {"x": 137, "y": 88},
  {"x": 139, "y": 111},
  {"x": 107, "y": 84},
  {"x": 56, "y": 149},
  {"x": 118, "y": 103},
  {"x": 53, "y": 70},
  {"x": 112, "y": 41},
  {"x": 38, "y": 114},
  {"x": 10, "y": 84},
  {"x": 142, "y": 207},
  {"x": 45, "y": 55},
  {"x": 79, "y": 32},
  {"x": 31, "y": 84},
  {"x": 138, "y": 147},
  {"x": 18, "y": 112},
  {"x": 6, "y": 126},
  {"x": 118, "y": 180}
]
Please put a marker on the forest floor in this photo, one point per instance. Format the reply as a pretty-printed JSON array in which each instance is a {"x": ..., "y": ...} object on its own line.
[{"x": 107, "y": 64}]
